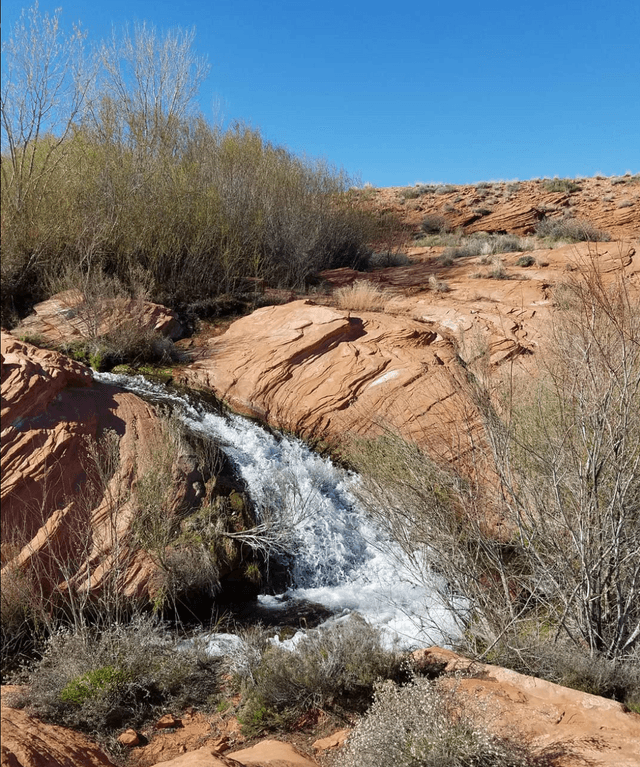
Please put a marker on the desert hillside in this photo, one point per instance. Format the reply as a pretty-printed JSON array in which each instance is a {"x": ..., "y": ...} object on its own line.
[{"x": 478, "y": 363}]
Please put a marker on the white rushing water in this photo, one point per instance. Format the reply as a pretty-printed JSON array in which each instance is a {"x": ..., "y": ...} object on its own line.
[{"x": 341, "y": 559}]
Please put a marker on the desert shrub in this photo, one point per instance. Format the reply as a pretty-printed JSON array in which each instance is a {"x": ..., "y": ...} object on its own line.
[
  {"x": 434, "y": 223},
  {"x": 385, "y": 259},
  {"x": 444, "y": 189},
  {"x": 158, "y": 196},
  {"x": 438, "y": 285},
  {"x": 418, "y": 190},
  {"x": 498, "y": 271},
  {"x": 625, "y": 204},
  {"x": 556, "y": 545},
  {"x": 526, "y": 261},
  {"x": 571, "y": 229},
  {"x": 561, "y": 185},
  {"x": 626, "y": 179},
  {"x": 419, "y": 725},
  {"x": 361, "y": 296},
  {"x": 100, "y": 682},
  {"x": 487, "y": 245},
  {"x": 447, "y": 239},
  {"x": 571, "y": 667},
  {"x": 332, "y": 667}
]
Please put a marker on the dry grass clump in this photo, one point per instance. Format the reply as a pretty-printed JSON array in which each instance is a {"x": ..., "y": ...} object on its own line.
[
  {"x": 361, "y": 296},
  {"x": 487, "y": 245},
  {"x": 418, "y": 725},
  {"x": 561, "y": 185},
  {"x": 570, "y": 229},
  {"x": 438, "y": 285}
]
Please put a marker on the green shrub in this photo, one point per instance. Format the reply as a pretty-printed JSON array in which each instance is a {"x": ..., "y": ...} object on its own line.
[
  {"x": 92, "y": 684},
  {"x": 434, "y": 223},
  {"x": 385, "y": 259},
  {"x": 526, "y": 261},
  {"x": 99, "y": 682}
]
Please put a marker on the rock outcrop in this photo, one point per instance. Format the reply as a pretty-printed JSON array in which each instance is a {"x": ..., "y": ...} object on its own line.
[
  {"x": 323, "y": 372},
  {"x": 72, "y": 450},
  {"x": 320, "y": 371},
  {"x": 70, "y": 316},
  {"x": 28, "y": 742},
  {"x": 578, "y": 728},
  {"x": 609, "y": 204}
]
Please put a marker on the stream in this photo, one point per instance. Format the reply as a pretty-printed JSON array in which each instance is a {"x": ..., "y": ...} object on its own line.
[{"x": 339, "y": 558}]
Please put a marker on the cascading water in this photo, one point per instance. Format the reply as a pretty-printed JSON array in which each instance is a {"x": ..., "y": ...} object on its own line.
[{"x": 341, "y": 560}]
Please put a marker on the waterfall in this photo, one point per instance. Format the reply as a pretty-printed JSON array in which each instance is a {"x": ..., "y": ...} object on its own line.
[{"x": 341, "y": 559}]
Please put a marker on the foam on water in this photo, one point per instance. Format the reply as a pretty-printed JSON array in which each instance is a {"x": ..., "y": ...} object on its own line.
[{"x": 341, "y": 559}]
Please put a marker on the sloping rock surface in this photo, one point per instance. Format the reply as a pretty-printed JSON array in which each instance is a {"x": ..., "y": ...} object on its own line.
[
  {"x": 321, "y": 371},
  {"x": 610, "y": 204},
  {"x": 272, "y": 753},
  {"x": 581, "y": 729},
  {"x": 28, "y": 742},
  {"x": 52, "y": 411},
  {"x": 70, "y": 316}
]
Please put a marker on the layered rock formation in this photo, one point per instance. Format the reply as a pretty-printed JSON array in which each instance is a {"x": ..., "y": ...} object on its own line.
[
  {"x": 319, "y": 371},
  {"x": 71, "y": 316},
  {"x": 72, "y": 451},
  {"x": 28, "y": 742},
  {"x": 322, "y": 371},
  {"x": 610, "y": 204}
]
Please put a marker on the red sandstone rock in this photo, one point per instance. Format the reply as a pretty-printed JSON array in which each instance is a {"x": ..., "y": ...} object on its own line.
[
  {"x": 272, "y": 753},
  {"x": 590, "y": 729},
  {"x": 331, "y": 741},
  {"x": 129, "y": 738},
  {"x": 168, "y": 720},
  {"x": 321, "y": 371},
  {"x": 613, "y": 208},
  {"x": 28, "y": 742},
  {"x": 202, "y": 757},
  {"x": 51, "y": 407},
  {"x": 68, "y": 316}
]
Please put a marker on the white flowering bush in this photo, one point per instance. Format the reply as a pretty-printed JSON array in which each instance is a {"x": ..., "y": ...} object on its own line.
[{"x": 418, "y": 725}]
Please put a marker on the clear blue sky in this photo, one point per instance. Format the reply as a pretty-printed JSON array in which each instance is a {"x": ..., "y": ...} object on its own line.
[{"x": 414, "y": 91}]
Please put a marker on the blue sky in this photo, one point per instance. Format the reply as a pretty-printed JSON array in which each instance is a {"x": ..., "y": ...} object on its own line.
[{"x": 416, "y": 91}]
